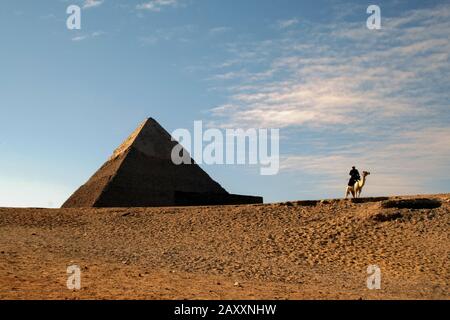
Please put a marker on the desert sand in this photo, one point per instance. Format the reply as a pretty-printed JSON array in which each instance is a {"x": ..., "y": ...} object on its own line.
[{"x": 293, "y": 250}]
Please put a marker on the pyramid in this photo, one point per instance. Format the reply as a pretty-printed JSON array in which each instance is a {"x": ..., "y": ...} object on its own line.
[{"x": 140, "y": 173}]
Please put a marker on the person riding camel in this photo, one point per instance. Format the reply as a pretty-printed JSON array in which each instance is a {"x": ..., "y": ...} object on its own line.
[{"x": 354, "y": 176}]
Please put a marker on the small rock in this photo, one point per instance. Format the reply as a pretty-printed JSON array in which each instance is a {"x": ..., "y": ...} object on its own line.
[{"x": 237, "y": 284}]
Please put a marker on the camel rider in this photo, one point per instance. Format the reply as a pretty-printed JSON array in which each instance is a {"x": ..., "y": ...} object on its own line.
[{"x": 354, "y": 176}]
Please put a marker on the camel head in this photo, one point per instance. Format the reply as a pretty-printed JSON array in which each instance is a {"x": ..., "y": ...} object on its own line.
[{"x": 366, "y": 173}]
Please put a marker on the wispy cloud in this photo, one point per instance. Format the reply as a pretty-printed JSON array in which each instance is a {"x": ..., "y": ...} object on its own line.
[
  {"x": 92, "y": 3},
  {"x": 283, "y": 24},
  {"x": 179, "y": 34},
  {"x": 375, "y": 98},
  {"x": 385, "y": 74},
  {"x": 219, "y": 30},
  {"x": 94, "y": 34},
  {"x": 79, "y": 38},
  {"x": 157, "y": 5}
]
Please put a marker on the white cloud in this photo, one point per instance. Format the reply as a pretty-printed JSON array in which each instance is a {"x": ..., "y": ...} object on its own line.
[
  {"x": 230, "y": 75},
  {"x": 219, "y": 30},
  {"x": 94, "y": 34},
  {"x": 92, "y": 3},
  {"x": 157, "y": 5},
  {"x": 97, "y": 34},
  {"x": 79, "y": 38},
  {"x": 283, "y": 24}
]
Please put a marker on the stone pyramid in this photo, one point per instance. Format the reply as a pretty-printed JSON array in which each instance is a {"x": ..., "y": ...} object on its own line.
[{"x": 140, "y": 173}]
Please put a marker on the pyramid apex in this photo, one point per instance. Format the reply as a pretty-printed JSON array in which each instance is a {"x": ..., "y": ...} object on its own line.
[
  {"x": 150, "y": 138},
  {"x": 149, "y": 121}
]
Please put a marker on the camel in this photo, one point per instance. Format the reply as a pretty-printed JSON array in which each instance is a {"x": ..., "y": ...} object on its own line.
[{"x": 357, "y": 188}]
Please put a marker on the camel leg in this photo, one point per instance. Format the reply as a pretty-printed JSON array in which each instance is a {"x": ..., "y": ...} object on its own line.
[
  {"x": 356, "y": 188},
  {"x": 351, "y": 191}
]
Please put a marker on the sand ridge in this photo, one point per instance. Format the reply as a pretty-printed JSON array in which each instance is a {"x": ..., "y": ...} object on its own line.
[{"x": 293, "y": 250}]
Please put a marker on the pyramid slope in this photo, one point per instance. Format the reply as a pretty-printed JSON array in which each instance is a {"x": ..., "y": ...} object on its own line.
[
  {"x": 88, "y": 194},
  {"x": 140, "y": 173}
]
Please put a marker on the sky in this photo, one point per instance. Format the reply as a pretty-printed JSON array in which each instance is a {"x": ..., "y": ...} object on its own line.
[{"x": 339, "y": 93}]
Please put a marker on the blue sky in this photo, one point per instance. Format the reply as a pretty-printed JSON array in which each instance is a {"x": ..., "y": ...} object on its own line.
[{"x": 340, "y": 93}]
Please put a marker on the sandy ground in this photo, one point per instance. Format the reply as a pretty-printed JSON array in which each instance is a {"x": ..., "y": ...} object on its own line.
[{"x": 295, "y": 250}]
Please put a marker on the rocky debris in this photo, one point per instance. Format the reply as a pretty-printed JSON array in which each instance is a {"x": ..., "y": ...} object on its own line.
[{"x": 387, "y": 216}]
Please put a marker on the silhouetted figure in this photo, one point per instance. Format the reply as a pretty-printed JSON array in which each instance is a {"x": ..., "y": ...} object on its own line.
[{"x": 354, "y": 176}]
